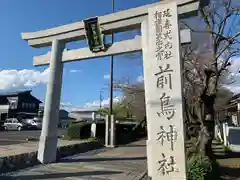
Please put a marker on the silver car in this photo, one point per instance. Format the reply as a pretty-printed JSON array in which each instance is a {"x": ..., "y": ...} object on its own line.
[
  {"x": 35, "y": 123},
  {"x": 15, "y": 124}
]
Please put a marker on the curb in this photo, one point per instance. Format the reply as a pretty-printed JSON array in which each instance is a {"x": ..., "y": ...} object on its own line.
[
  {"x": 25, "y": 160},
  {"x": 143, "y": 176}
]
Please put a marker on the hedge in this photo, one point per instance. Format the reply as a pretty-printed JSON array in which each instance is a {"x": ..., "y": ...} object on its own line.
[
  {"x": 82, "y": 130},
  {"x": 79, "y": 130}
]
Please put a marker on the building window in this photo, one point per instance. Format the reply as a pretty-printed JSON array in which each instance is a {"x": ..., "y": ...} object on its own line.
[{"x": 28, "y": 105}]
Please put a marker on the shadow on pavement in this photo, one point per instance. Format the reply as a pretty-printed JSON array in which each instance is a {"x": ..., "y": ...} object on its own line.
[
  {"x": 229, "y": 173},
  {"x": 132, "y": 145},
  {"x": 228, "y": 166},
  {"x": 59, "y": 175},
  {"x": 81, "y": 159}
]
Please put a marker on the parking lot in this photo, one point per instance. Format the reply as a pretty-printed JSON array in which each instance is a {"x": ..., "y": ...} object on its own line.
[{"x": 17, "y": 137}]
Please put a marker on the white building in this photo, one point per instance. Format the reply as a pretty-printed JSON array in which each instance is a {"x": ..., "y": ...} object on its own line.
[{"x": 84, "y": 114}]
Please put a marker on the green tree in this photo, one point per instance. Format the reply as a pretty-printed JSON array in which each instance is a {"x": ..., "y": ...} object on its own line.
[{"x": 120, "y": 110}]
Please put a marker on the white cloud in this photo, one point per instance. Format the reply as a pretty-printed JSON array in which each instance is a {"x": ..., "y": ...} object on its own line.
[
  {"x": 104, "y": 103},
  {"x": 22, "y": 78},
  {"x": 75, "y": 70},
  {"x": 140, "y": 78},
  {"x": 66, "y": 104},
  {"x": 106, "y": 76}
]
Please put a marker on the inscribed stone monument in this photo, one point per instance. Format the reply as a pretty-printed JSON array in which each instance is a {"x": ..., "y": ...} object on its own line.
[{"x": 164, "y": 94}]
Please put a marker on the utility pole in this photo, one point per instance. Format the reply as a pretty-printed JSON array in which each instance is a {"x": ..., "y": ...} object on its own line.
[
  {"x": 111, "y": 73},
  {"x": 101, "y": 98}
]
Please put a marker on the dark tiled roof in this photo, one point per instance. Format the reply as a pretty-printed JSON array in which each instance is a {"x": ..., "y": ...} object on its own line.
[
  {"x": 16, "y": 93},
  {"x": 236, "y": 96}
]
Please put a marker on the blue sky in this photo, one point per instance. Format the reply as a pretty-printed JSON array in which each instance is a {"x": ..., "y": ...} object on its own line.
[{"x": 82, "y": 80}]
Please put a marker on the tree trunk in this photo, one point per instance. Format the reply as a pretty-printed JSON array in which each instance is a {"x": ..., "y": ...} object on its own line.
[
  {"x": 206, "y": 137},
  {"x": 208, "y": 97}
]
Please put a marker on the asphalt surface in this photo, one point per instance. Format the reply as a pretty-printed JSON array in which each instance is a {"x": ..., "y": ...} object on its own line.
[
  {"x": 18, "y": 137},
  {"x": 13, "y": 174}
]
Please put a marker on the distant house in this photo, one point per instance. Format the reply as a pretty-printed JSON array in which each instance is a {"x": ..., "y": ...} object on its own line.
[
  {"x": 231, "y": 112},
  {"x": 64, "y": 118},
  {"x": 84, "y": 114},
  {"x": 63, "y": 114},
  {"x": 18, "y": 104}
]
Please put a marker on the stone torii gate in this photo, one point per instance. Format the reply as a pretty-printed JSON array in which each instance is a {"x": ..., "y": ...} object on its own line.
[{"x": 159, "y": 25}]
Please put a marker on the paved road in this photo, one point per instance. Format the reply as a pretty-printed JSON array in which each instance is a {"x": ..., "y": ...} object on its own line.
[
  {"x": 16, "y": 137},
  {"x": 121, "y": 163}
]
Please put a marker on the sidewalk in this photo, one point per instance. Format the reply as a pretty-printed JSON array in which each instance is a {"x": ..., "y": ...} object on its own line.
[
  {"x": 122, "y": 163},
  {"x": 229, "y": 168},
  {"x": 229, "y": 163},
  {"x": 31, "y": 146}
]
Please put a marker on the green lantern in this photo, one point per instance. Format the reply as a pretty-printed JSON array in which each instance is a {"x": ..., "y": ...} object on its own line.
[{"x": 94, "y": 35}]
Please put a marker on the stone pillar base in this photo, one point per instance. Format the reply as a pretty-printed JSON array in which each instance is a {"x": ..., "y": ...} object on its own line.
[
  {"x": 107, "y": 131},
  {"x": 47, "y": 149},
  {"x": 149, "y": 157},
  {"x": 112, "y": 132}
]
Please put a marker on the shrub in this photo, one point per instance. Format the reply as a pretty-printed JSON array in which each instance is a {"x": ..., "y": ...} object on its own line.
[
  {"x": 93, "y": 140},
  {"x": 198, "y": 167},
  {"x": 82, "y": 130},
  {"x": 227, "y": 149},
  {"x": 79, "y": 130}
]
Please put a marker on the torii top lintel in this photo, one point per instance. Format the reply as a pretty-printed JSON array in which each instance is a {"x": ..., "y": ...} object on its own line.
[{"x": 117, "y": 22}]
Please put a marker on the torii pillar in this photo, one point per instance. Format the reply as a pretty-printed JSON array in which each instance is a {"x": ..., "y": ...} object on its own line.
[{"x": 49, "y": 134}]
